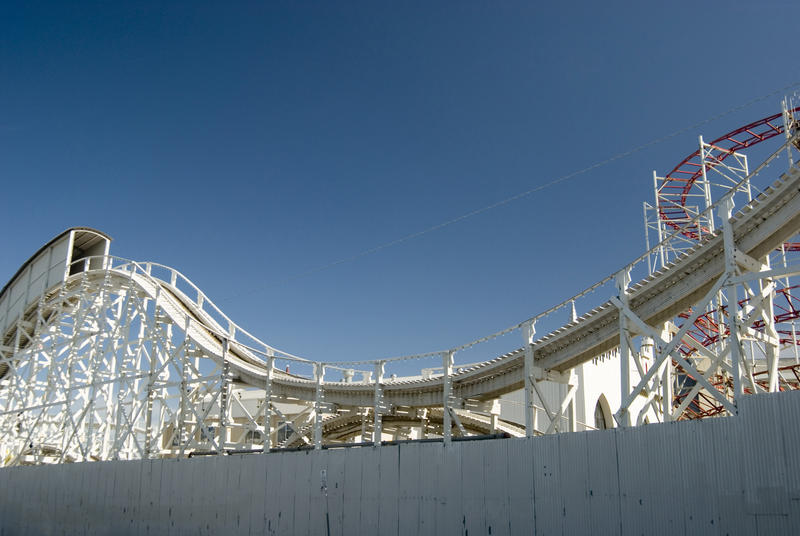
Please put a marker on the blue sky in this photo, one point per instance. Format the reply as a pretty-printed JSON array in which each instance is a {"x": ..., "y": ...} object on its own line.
[{"x": 246, "y": 145}]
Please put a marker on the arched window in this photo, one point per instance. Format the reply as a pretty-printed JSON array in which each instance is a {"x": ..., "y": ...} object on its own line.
[
  {"x": 602, "y": 417},
  {"x": 254, "y": 436}
]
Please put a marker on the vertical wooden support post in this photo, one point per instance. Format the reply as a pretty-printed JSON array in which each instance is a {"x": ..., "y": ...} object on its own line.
[
  {"x": 184, "y": 402},
  {"x": 268, "y": 400},
  {"x": 153, "y": 364},
  {"x": 223, "y": 399},
  {"x": 771, "y": 348},
  {"x": 706, "y": 187},
  {"x": 667, "y": 395},
  {"x": 726, "y": 210},
  {"x": 528, "y": 332},
  {"x": 622, "y": 281},
  {"x": 376, "y": 410},
  {"x": 319, "y": 374},
  {"x": 447, "y": 387}
]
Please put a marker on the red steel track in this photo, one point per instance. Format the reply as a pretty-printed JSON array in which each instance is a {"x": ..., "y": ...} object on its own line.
[
  {"x": 673, "y": 195},
  {"x": 674, "y": 191}
]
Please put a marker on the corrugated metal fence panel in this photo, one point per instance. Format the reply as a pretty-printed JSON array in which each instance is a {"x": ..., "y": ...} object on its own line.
[
  {"x": 431, "y": 502},
  {"x": 450, "y": 516},
  {"x": 13, "y": 492},
  {"x": 519, "y": 486},
  {"x": 6, "y": 483},
  {"x": 603, "y": 482},
  {"x": 409, "y": 461},
  {"x": 91, "y": 495},
  {"x": 254, "y": 481},
  {"x": 574, "y": 471},
  {"x": 631, "y": 482},
  {"x": 547, "y": 485},
  {"x": 370, "y": 489},
  {"x": 305, "y": 485},
  {"x": 666, "y": 473},
  {"x": 126, "y": 482},
  {"x": 700, "y": 477},
  {"x": 289, "y": 464},
  {"x": 353, "y": 484},
  {"x": 26, "y": 494},
  {"x": 337, "y": 482},
  {"x": 272, "y": 493},
  {"x": 790, "y": 413},
  {"x": 149, "y": 495},
  {"x": 724, "y": 453},
  {"x": 732, "y": 475},
  {"x": 496, "y": 485},
  {"x": 389, "y": 482},
  {"x": 473, "y": 490},
  {"x": 236, "y": 496},
  {"x": 763, "y": 460}
]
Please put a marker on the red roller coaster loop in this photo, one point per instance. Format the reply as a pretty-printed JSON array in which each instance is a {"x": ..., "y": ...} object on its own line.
[
  {"x": 675, "y": 189},
  {"x": 673, "y": 194}
]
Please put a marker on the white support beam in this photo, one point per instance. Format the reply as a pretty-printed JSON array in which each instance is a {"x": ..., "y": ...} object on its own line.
[
  {"x": 223, "y": 399},
  {"x": 378, "y": 403},
  {"x": 447, "y": 366},
  {"x": 319, "y": 376},
  {"x": 270, "y": 373},
  {"x": 725, "y": 213},
  {"x": 528, "y": 332},
  {"x": 622, "y": 281}
]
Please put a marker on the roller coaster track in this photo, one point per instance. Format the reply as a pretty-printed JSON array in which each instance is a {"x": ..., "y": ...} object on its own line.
[
  {"x": 675, "y": 191},
  {"x": 759, "y": 227}
]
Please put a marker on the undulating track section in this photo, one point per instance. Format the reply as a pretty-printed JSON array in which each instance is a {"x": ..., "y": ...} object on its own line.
[{"x": 104, "y": 358}]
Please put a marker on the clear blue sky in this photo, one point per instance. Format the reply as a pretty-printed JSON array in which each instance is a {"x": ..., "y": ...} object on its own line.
[{"x": 245, "y": 145}]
